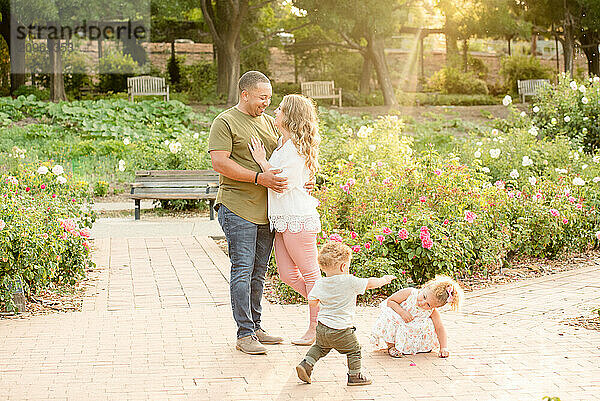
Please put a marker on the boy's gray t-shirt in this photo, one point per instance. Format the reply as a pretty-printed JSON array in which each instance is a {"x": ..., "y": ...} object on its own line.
[{"x": 337, "y": 295}]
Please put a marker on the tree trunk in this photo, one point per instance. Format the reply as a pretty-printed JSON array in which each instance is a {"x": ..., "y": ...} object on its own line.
[
  {"x": 452, "y": 52},
  {"x": 593, "y": 59},
  {"x": 57, "y": 82},
  {"x": 568, "y": 44},
  {"x": 228, "y": 72},
  {"x": 534, "y": 45},
  {"x": 509, "y": 50},
  {"x": 465, "y": 55},
  {"x": 375, "y": 48},
  {"x": 365, "y": 77}
]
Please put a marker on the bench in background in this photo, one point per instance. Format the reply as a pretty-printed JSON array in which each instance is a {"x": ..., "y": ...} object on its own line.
[
  {"x": 175, "y": 184},
  {"x": 531, "y": 87},
  {"x": 147, "y": 86},
  {"x": 322, "y": 90}
]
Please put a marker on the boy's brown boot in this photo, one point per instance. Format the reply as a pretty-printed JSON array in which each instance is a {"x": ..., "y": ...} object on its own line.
[
  {"x": 358, "y": 379},
  {"x": 304, "y": 370}
]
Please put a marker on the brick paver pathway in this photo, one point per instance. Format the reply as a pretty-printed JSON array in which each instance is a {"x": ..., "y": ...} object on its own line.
[{"x": 158, "y": 326}]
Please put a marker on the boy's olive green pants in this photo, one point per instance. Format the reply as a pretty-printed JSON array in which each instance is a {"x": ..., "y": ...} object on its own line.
[{"x": 343, "y": 341}]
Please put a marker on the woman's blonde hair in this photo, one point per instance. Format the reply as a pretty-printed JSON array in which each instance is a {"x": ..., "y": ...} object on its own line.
[
  {"x": 446, "y": 290},
  {"x": 301, "y": 120}
]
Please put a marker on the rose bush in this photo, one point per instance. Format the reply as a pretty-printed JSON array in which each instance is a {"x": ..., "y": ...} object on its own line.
[{"x": 44, "y": 229}]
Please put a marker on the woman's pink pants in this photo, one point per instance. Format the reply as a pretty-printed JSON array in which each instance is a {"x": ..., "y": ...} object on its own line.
[{"x": 296, "y": 256}]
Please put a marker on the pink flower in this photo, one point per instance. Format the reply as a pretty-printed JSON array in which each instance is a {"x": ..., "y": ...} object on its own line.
[
  {"x": 386, "y": 181},
  {"x": 356, "y": 248},
  {"x": 86, "y": 245},
  {"x": 379, "y": 238},
  {"x": 84, "y": 232},
  {"x": 2, "y": 224},
  {"x": 367, "y": 245},
  {"x": 404, "y": 219},
  {"x": 518, "y": 194},
  {"x": 554, "y": 212},
  {"x": 44, "y": 235},
  {"x": 43, "y": 186},
  {"x": 598, "y": 235},
  {"x": 510, "y": 194},
  {"x": 351, "y": 182},
  {"x": 422, "y": 199},
  {"x": 500, "y": 184},
  {"x": 336, "y": 237},
  {"x": 53, "y": 196},
  {"x": 426, "y": 243},
  {"x": 437, "y": 172},
  {"x": 345, "y": 188},
  {"x": 73, "y": 200},
  {"x": 27, "y": 189},
  {"x": 446, "y": 222},
  {"x": 565, "y": 221},
  {"x": 379, "y": 164},
  {"x": 353, "y": 235},
  {"x": 571, "y": 199},
  {"x": 424, "y": 229},
  {"x": 470, "y": 216},
  {"x": 387, "y": 231},
  {"x": 579, "y": 206},
  {"x": 403, "y": 234}
]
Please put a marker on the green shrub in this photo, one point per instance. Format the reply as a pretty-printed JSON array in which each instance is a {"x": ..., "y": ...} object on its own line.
[
  {"x": 43, "y": 229},
  {"x": 452, "y": 81},
  {"x": 519, "y": 67},
  {"x": 76, "y": 72},
  {"x": 202, "y": 78},
  {"x": 101, "y": 188},
  {"x": 28, "y": 90},
  {"x": 114, "y": 68}
]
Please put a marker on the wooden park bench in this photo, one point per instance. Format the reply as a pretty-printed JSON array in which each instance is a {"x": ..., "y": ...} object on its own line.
[
  {"x": 322, "y": 90},
  {"x": 175, "y": 184},
  {"x": 147, "y": 86},
  {"x": 531, "y": 87}
]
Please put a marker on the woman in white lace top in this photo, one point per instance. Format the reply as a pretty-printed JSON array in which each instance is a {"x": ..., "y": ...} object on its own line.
[{"x": 293, "y": 213}]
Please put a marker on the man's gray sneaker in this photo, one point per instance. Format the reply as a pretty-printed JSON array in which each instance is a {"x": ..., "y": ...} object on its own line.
[
  {"x": 264, "y": 338},
  {"x": 250, "y": 345}
]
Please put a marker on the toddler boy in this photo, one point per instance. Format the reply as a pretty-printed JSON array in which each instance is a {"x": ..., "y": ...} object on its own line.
[{"x": 337, "y": 294}]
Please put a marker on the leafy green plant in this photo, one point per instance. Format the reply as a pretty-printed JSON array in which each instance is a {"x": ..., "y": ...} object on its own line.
[
  {"x": 518, "y": 67},
  {"x": 101, "y": 188},
  {"x": 450, "y": 80}
]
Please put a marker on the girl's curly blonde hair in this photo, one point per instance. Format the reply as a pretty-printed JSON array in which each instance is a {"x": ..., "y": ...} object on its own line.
[
  {"x": 301, "y": 120},
  {"x": 446, "y": 290}
]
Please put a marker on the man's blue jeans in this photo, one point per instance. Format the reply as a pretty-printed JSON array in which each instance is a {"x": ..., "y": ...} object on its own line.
[{"x": 249, "y": 252}]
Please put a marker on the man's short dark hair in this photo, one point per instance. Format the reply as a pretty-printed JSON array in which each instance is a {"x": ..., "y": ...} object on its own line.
[{"x": 251, "y": 79}]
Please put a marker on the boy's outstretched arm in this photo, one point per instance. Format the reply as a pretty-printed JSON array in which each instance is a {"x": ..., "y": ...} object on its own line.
[
  {"x": 376, "y": 282},
  {"x": 440, "y": 331}
]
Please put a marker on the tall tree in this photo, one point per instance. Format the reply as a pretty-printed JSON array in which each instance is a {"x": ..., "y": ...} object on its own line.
[{"x": 363, "y": 25}]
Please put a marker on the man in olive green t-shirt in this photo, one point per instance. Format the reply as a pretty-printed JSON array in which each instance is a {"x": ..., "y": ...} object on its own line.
[{"x": 242, "y": 203}]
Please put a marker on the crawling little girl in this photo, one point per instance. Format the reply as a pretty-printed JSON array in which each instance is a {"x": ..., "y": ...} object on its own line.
[{"x": 409, "y": 321}]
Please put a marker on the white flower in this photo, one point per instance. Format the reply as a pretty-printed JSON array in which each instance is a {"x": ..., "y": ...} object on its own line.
[
  {"x": 584, "y": 166},
  {"x": 372, "y": 148},
  {"x": 576, "y": 156},
  {"x": 533, "y": 131},
  {"x": 61, "y": 180},
  {"x": 596, "y": 159},
  {"x": 553, "y": 121},
  {"x": 196, "y": 135},
  {"x": 523, "y": 114},
  {"x": 495, "y": 139},
  {"x": 126, "y": 141},
  {"x": 585, "y": 118},
  {"x": 363, "y": 132},
  {"x": 562, "y": 171},
  {"x": 526, "y": 161},
  {"x": 567, "y": 119},
  {"x": 477, "y": 154},
  {"x": 584, "y": 100},
  {"x": 532, "y": 180},
  {"x": 578, "y": 181},
  {"x": 485, "y": 169},
  {"x": 507, "y": 100},
  {"x": 350, "y": 157},
  {"x": 514, "y": 174},
  {"x": 479, "y": 143},
  {"x": 536, "y": 109},
  {"x": 57, "y": 170},
  {"x": 584, "y": 130},
  {"x": 494, "y": 153},
  {"x": 42, "y": 170},
  {"x": 121, "y": 165},
  {"x": 573, "y": 85},
  {"x": 582, "y": 89},
  {"x": 596, "y": 79},
  {"x": 495, "y": 131},
  {"x": 174, "y": 147},
  {"x": 596, "y": 179}
]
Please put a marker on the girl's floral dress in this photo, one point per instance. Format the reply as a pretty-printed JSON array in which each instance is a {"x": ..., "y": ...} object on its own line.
[{"x": 415, "y": 336}]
